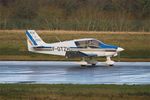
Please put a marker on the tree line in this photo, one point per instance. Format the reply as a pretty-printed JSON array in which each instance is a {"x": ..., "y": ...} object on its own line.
[{"x": 89, "y": 15}]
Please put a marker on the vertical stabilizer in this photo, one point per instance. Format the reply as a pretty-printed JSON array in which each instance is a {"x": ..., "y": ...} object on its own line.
[{"x": 34, "y": 38}]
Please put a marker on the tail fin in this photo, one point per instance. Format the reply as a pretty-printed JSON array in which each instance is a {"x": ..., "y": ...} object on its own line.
[{"x": 33, "y": 40}]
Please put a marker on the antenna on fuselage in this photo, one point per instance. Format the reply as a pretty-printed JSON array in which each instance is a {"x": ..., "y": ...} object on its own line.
[
  {"x": 49, "y": 30},
  {"x": 119, "y": 53},
  {"x": 57, "y": 38}
]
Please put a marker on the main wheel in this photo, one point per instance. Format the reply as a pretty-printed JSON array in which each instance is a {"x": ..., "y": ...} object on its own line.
[
  {"x": 111, "y": 65},
  {"x": 93, "y": 64},
  {"x": 83, "y": 65}
]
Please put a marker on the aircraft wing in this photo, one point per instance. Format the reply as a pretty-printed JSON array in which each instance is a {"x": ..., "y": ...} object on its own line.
[{"x": 73, "y": 54}]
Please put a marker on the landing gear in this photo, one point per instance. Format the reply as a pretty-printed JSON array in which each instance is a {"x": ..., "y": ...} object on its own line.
[
  {"x": 91, "y": 62},
  {"x": 88, "y": 61},
  {"x": 109, "y": 61}
]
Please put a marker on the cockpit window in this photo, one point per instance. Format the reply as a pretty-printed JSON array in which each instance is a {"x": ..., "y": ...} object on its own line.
[{"x": 87, "y": 44}]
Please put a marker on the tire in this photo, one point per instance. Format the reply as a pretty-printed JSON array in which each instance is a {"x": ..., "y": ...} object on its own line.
[
  {"x": 83, "y": 65},
  {"x": 93, "y": 64},
  {"x": 111, "y": 65}
]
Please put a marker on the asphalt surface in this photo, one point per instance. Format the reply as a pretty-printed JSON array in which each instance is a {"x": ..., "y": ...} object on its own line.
[{"x": 49, "y": 72}]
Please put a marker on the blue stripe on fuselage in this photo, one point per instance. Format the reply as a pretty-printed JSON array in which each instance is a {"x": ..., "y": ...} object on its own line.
[
  {"x": 43, "y": 47},
  {"x": 30, "y": 37},
  {"x": 102, "y": 45}
]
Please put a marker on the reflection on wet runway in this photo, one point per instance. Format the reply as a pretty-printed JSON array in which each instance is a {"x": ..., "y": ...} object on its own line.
[{"x": 50, "y": 72}]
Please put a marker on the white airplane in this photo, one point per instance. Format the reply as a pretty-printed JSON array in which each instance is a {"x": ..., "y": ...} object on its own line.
[{"x": 86, "y": 48}]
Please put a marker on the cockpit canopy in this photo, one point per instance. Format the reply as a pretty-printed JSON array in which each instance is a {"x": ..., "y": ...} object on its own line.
[
  {"x": 93, "y": 43},
  {"x": 87, "y": 43}
]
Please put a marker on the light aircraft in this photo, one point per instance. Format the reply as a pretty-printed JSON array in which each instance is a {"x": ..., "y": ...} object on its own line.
[{"x": 87, "y": 48}]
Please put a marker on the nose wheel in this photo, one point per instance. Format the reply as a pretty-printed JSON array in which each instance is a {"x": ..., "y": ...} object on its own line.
[{"x": 109, "y": 62}]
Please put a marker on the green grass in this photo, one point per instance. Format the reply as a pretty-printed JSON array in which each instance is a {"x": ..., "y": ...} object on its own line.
[
  {"x": 13, "y": 44},
  {"x": 73, "y": 92}
]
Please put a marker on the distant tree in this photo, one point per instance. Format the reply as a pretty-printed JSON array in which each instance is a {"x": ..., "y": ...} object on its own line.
[
  {"x": 6, "y": 2},
  {"x": 25, "y": 9},
  {"x": 104, "y": 15}
]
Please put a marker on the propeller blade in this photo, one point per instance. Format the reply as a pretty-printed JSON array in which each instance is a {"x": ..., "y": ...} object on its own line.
[{"x": 118, "y": 56}]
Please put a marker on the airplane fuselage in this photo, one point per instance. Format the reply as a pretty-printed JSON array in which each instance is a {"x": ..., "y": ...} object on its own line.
[{"x": 53, "y": 49}]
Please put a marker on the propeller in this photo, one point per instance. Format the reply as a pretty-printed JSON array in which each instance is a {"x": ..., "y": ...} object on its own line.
[
  {"x": 119, "y": 49},
  {"x": 118, "y": 56}
]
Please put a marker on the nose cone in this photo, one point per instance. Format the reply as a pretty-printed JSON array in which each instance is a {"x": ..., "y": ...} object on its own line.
[{"x": 119, "y": 49}]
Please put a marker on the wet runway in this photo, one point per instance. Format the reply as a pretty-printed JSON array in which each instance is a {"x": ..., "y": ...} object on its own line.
[{"x": 50, "y": 72}]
